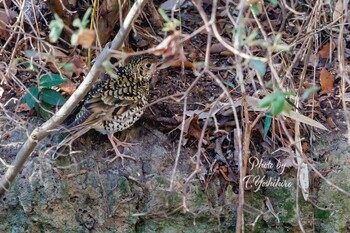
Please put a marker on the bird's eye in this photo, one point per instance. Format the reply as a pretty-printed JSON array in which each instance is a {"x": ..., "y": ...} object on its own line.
[{"x": 148, "y": 65}]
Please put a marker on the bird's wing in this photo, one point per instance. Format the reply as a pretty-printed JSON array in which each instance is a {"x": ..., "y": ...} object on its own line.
[{"x": 98, "y": 108}]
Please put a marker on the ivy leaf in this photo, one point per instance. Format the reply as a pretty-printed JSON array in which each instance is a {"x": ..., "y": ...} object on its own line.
[
  {"x": 31, "y": 96},
  {"x": 50, "y": 80},
  {"x": 52, "y": 97}
]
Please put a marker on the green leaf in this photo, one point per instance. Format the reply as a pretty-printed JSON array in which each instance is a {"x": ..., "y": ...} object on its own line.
[
  {"x": 259, "y": 66},
  {"x": 266, "y": 102},
  {"x": 85, "y": 20},
  {"x": 52, "y": 97},
  {"x": 56, "y": 27},
  {"x": 163, "y": 15},
  {"x": 267, "y": 123},
  {"x": 278, "y": 104},
  {"x": 77, "y": 23},
  {"x": 31, "y": 96},
  {"x": 30, "y": 66},
  {"x": 74, "y": 39},
  {"x": 309, "y": 92},
  {"x": 44, "y": 110},
  {"x": 255, "y": 9},
  {"x": 273, "y": 2},
  {"x": 67, "y": 66},
  {"x": 50, "y": 80},
  {"x": 31, "y": 53}
]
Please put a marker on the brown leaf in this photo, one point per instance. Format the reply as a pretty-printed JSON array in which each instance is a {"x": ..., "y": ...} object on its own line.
[
  {"x": 170, "y": 47},
  {"x": 86, "y": 37},
  {"x": 217, "y": 48},
  {"x": 331, "y": 123},
  {"x": 194, "y": 54},
  {"x": 224, "y": 172},
  {"x": 305, "y": 147},
  {"x": 194, "y": 129},
  {"x": 326, "y": 80},
  {"x": 108, "y": 16},
  {"x": 177, "y": 64},
  {"x": 156, "y": 20},
  {"x": 79, "y": 64},
  {"x": 6, "y": 20},
  {"x": 325, "y": 51},
  {"x": 68, "y": 87},
  {"x": 226, "y": 53},
  {"x": 22, "y": 108}
]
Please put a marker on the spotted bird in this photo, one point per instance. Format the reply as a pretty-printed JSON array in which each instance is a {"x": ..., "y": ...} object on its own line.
[{"x": 115, "y": 103}]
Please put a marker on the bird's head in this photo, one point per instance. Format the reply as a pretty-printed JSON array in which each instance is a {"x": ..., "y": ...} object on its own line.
[{"x": 144, "y": 66}]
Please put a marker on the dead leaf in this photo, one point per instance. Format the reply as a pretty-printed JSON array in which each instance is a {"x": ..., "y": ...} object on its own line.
[
  {"x": 170, "y": 47},
  {"x": 22, "y": 108},
  {"x": 224, "y": 172},
  {"x": 331, "y": 123},
  {"x": 326, "y": 51},
  {"x": 177, "y": 64},
  {"x": 305, "y": 147},
  {"x": 170, "y": 4},
  {"x": 68, "y": 87},
  {"x": 86, "y": 37},
  {"x": 194, "y": 54},
  {"x": 156, "y": 20},
  {"x": 192, "y": 128},
  {"x": 326, "y": 80},
  {"x": 217, "y": 48},
  {"x": 5, "y": 21},
  {"x": 226, "y": 53},
  {"x": 79, "y": 64},
  {"x": 338, "y": 10},
  {"x": 108, "y": 17}
]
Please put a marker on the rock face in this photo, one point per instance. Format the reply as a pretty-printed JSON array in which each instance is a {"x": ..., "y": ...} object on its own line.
[{"x": 83, "y": 193}]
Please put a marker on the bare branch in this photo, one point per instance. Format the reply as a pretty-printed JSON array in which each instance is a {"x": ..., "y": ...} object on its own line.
[{"x": 43, "y": 131}]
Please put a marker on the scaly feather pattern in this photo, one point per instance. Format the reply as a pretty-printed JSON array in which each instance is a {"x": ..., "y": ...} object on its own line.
[{"x": 116, "y": 102}]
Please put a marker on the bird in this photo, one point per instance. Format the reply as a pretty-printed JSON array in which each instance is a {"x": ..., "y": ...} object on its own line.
[{"x": 115, "y": 103}]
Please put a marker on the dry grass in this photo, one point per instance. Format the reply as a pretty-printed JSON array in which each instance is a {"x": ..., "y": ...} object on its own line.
[{"x": 304, "y": 28}]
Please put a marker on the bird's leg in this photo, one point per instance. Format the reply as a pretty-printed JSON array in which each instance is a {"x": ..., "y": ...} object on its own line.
[
  {"x": 123, "y": 143},
  {"x": 115, "y": 143}
]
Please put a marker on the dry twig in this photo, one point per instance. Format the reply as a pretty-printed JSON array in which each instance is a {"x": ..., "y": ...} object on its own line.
[{"x": 41, "y": 132}]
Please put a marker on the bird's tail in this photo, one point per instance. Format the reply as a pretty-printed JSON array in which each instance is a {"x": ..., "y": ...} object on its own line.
[{"x": 69, "y": 139}]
